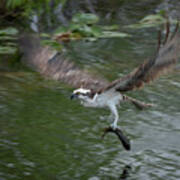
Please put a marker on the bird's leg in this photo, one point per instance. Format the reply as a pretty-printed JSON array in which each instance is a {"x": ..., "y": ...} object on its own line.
[
  {"x": 114, "y": 124},
  {"x": 116, "y": 116},
  {"x": 114, "y": 129}
]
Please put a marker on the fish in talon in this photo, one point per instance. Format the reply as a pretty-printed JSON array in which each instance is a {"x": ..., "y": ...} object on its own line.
[{"x": 124, "y": 140}]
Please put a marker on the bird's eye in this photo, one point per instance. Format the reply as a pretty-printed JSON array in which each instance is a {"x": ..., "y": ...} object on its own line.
[{"x": 79, "y": 93}]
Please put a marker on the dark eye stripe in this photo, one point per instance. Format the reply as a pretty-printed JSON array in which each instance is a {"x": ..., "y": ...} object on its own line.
[{"x": 83, "y": 94}]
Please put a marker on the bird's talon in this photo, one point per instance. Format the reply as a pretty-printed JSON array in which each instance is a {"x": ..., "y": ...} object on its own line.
[{"x": 114, "y": 126}]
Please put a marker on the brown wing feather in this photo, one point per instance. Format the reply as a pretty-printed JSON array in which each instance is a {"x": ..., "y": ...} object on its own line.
[
  {"x": 164, "y": 60},
  {"x": 54, "y": 65}
]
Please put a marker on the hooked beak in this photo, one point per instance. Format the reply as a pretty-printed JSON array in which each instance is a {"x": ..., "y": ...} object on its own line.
[{"x": 74, "y": 96}]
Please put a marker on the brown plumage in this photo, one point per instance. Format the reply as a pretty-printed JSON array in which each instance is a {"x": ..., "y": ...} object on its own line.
[
  {"x": 54, "y": 65},
  {"x": 162, "y": 62}
]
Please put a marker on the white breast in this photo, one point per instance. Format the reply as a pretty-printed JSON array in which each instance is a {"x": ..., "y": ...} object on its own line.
[{"x": 109, "y": 97}]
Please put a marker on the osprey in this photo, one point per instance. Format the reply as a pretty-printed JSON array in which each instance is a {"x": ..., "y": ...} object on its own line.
[
  {"x": 111, "y": 95},
  {"x": 97, "y": 92}
]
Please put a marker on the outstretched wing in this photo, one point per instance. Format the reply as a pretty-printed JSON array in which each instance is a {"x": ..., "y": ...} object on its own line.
[
  {"x": 164, "y": 60},
  {"x": 53, "y": 64}
]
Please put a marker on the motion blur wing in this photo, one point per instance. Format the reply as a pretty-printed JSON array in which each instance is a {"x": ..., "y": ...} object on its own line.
[
  {"x": 54, "y": 65},
  {"x": 163, "y": 61}
]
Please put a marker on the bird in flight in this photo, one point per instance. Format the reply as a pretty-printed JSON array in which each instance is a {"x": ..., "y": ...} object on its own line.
[{"x": 96, "y": 92}]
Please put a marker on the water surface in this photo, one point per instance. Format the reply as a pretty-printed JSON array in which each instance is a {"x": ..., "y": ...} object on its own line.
[{"x": 45, "y": 135}]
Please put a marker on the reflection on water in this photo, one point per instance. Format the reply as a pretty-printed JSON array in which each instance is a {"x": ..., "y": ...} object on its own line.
[{"x": 125, "y": 173}]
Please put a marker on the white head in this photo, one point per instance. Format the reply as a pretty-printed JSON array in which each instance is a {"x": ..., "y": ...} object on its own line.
[{"x": 82, "y": 94}]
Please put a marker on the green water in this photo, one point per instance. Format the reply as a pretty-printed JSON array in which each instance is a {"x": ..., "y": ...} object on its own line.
[{"x": 45, "y": 135}]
